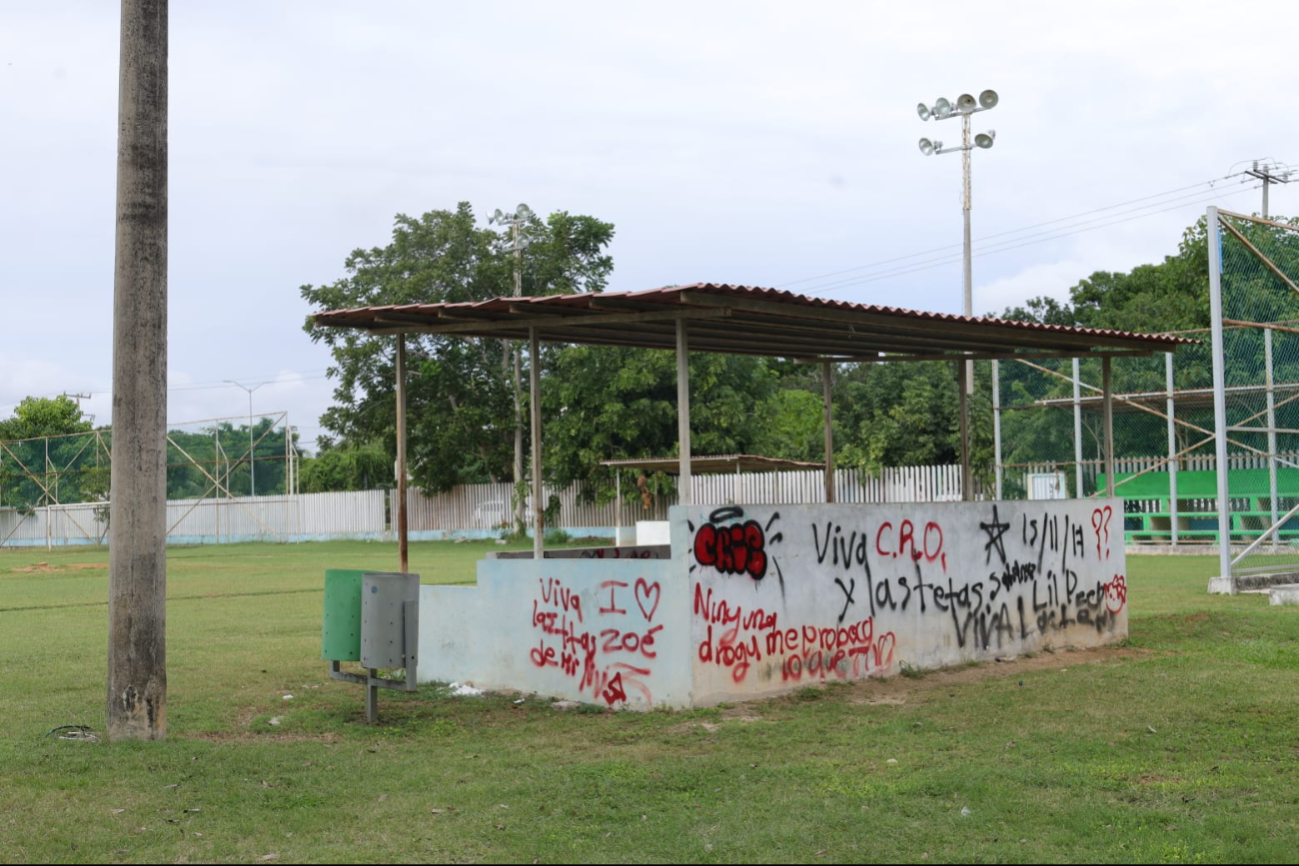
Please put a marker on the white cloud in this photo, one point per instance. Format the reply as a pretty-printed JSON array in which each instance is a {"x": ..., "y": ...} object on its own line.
[{"x": 760, "y": 142}]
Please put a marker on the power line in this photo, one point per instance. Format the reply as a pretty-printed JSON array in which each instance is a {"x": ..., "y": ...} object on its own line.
[
  {"x": 1009, "y": 245},
  {"x": 930, "y": 252}
]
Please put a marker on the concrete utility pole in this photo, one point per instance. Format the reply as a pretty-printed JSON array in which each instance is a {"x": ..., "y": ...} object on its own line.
[
  {"x": 1269, "y": 174},
  {"x": 137, "y": 588}
]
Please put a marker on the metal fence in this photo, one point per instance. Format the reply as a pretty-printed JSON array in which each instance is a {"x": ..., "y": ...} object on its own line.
[
  {"x": 1168, "y": 408},
  {"x": 473, "y": 510}
]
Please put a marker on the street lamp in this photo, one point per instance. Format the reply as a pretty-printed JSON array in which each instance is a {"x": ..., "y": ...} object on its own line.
[
  {"x": 252, "y": 465},
  {"x": 965, "y": 106}
]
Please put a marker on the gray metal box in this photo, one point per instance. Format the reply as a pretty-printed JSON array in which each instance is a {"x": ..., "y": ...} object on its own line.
[{"x": 389, "y": 620}]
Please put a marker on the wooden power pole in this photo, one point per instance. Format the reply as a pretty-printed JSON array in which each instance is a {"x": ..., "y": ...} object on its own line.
[{"x": 137, "y": 611}]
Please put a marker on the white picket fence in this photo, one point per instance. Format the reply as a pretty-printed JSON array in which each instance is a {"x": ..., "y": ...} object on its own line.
[{"x": 475, "y": 509}]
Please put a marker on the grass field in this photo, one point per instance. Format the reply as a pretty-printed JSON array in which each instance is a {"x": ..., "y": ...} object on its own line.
[{"x": 1181, "y": 746}]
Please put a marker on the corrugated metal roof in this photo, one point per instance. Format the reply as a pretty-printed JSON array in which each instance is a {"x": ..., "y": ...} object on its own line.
[
  {"x": 745, "y": 320},
  {"x": 716, "y": 463}
]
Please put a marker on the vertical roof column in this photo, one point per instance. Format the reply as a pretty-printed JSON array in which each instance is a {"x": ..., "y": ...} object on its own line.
[{"x": 685, "y": 495}]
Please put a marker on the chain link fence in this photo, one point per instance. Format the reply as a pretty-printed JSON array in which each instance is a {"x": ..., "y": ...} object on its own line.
[{"x": 1165, "y": 447}]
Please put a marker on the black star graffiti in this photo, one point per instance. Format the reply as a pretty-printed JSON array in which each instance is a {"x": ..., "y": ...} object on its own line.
[{"x": 995, "y": 531}]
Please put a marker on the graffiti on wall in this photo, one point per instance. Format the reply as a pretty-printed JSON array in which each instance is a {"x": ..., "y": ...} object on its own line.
[
  {"x": 977, "y": 578},
  {"x": 608, "y": 651}
]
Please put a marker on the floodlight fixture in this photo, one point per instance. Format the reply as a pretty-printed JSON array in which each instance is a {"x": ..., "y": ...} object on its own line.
[{"x": 965, "y": 106}]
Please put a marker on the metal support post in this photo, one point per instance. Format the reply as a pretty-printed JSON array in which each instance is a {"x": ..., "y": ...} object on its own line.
[
  {"x": 962, "y": 374},
  {"x": 685, "y": 495},
  {"x": 1107, "y": 388},
  {"x": 617, "y": 513},
  {"x": 371, "y": 695},
  {"x": 1271, "y": 430},
  {"x": 827, "y": 389},
  {"x": 402, "y": 536},
  {"x": 996, "y": 426},
  {"x": 538, "y": 506},
  {"x": 1219, "y": 392},
  {"x": 1172, "y": 450},
  {"x": 1077, "y": 432}
]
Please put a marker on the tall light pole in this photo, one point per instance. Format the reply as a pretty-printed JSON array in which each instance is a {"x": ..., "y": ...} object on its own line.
[
  {"x": 252, "y": 464},
  {"x": 965, "y": 106}
]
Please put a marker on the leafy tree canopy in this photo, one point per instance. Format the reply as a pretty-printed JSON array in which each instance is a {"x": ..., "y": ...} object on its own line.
[{"x": 460, "y": 412}]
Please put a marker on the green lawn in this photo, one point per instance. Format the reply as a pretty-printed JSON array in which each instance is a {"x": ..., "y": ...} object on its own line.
[{"x": 1182, "y": 746}]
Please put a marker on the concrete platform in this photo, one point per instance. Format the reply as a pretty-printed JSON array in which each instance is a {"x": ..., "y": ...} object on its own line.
[
  {"x": 1285, "y": 594},
  {"x": 1244, "y": 582}
]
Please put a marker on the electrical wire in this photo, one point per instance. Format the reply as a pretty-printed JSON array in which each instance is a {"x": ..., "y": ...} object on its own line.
[
  {"x": 1049, "y": 235},
  {"x": 1016, "y": 243}
]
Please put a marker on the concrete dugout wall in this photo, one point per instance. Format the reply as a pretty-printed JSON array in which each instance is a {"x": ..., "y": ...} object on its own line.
[{"x": 758, "y": 600}]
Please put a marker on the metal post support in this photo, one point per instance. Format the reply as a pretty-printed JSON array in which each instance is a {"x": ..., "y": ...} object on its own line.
[
  {"x": 538, "y": 506},
  {"x": 617, "y": 512},
  {"x": 996, "y": 426},
  {"x": 962, "y": 374},
  {"x": 969, "y": 256},
  {"x": 402, "y": 535},
  {"x": 1219, "y": 392},
  {"x": 1271, "y": 427},
  {"x": 827, "y": 389},
  {"x": 1077, "y": 432},
  {"x": 685, "y": 495},
  {"x": 1107, "y": 389},
  {"x": 1172, "y": 449},
  {"x": 371, "y": 695}
]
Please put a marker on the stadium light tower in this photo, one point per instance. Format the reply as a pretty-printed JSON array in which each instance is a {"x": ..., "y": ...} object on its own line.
[{"x": 965, "y": 106}]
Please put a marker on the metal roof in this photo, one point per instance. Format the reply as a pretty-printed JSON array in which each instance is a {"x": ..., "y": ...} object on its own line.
[
  {"x": 744, "y": 320},
  {"x": 716, "y": 464}
]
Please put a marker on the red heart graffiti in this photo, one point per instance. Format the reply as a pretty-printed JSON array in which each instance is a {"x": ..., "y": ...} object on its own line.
[{"x": 644, "y": 587}]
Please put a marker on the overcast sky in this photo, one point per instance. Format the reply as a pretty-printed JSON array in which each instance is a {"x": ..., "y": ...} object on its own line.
[{"x": 755, "y": 143}]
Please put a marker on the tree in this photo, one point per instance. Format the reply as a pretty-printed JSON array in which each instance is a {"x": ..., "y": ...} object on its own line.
[
  {"x": 38, "y": 417},
  {"x": 44, "y": 458},
  {"x": 606, "y": 403},
  {"x": 460, "y": 413}
]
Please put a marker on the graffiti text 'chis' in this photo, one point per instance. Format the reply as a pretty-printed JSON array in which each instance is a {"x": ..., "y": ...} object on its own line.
[{"x": 737, "y": 548}]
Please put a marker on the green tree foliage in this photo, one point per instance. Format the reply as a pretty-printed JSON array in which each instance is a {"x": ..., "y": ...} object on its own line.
[
  {"x": 907, "y": 414},
  {"x": 210, "y": 461},
  {"x": 48, "y": 447},
  {"x": 606, "y": 403},
  {"x": 342, "y": 468},
  {"x": 1170, "y": 296},
  {"x": 460, "y": 409},
  {"x": 37, "y": 417}
]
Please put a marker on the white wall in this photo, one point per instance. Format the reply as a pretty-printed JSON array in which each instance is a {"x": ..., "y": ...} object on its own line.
[
  {"x": 612, "y": 632},
  {"x": 794, "y": 595},
  {"x": 783, "y": 596}
]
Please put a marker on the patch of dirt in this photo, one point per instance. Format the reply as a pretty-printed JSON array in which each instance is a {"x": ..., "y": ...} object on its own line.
[{"x": 46, "y": 568}]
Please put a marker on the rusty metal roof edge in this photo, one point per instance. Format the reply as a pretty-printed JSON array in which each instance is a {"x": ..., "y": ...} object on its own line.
[{"x": 355, "y": 314}]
